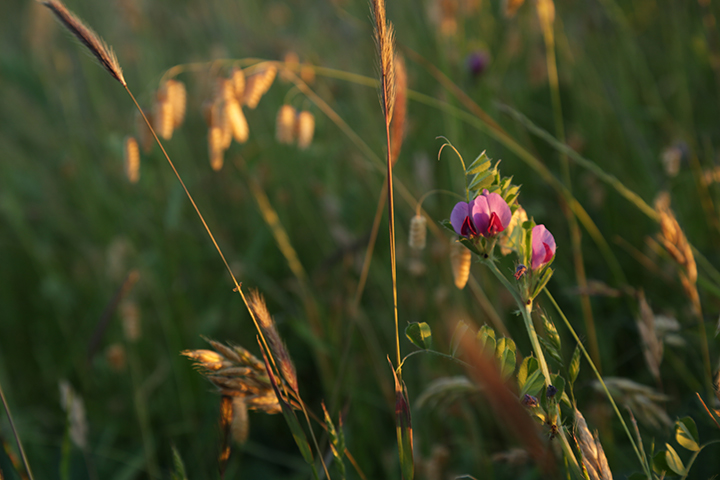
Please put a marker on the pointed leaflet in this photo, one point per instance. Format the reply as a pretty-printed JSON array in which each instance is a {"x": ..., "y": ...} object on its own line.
[
  {"x": 403, "y": 428},
  {"x": 673, "y": 460},
  {"x": 686, "y": 434},
  {"x": 337, "y": 441},
  {"x": 419, "y": 334},
  {"x": 178, "y": 466},
  {"x": 574, "y": 368},
  {"x": 505, "y": 355}
]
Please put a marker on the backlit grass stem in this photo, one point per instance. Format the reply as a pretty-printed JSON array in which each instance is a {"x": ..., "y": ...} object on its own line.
[{"x": 15, "y": 434}]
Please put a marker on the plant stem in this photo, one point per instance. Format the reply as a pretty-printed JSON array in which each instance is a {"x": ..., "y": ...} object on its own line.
[
  {"x": 640, "y": 455},
  {"x": 15, "y": 434}
]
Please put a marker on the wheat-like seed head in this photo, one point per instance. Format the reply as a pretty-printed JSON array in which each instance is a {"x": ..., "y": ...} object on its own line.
[
  {"x": 240, "y": 423},
  {"x": 237, "y": 77},
  {"x": 460, "y": 258},
  {"x": 215, "y": 147},
  {"x": 285, "y": 124},
  {"x": 177, "y": 96},
  {"x": 397, "y": 132},
  {"x": 130, "y": 314},
  {"x": 305, "y": 129},
  {"x": 418, "y": 232},
  {"x": 593, "y": 455},
  {"x": 163, "y": 113},
  {"x": 89, "y": 38},
  {"x": 385, "y": 40},
  {"x": 131, "y": 156},
  {"x": 236, "y": 120},
  {"x": 257, "y": 84}
]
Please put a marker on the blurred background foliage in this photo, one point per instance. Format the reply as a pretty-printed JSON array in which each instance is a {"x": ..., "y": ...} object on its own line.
[{"x": 639, "y": 82}]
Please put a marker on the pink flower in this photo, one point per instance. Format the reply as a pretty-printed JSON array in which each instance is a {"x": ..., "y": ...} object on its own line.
[
  {"x": 487, "y": 215},
  {"x": 543, "y": 246}
]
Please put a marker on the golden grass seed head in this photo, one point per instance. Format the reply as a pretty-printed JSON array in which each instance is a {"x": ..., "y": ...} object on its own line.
[
  {"x": 240, "y": 425},
  {"x": 257, "y": 84},
  {"x": 177, "y": 96},
  {"x": 73, "y": 405},
  {"x": 418, "y": 232},
  {"x": 285, "y": 124},
  {"x": 236, "y": 120},
  {"x": 163, "y": 115},
  {"x": 131, "y": 158},
  {"x": 97, "y": 46},
  {"x": 460, "y": 258},
  {"x": 216, "y": 147},
  {"x": 305, "y": 129},
  {"x": 224, "y": 89},
  {"x": 397, "y": 126},
  {"x": 237, "y": 78}
]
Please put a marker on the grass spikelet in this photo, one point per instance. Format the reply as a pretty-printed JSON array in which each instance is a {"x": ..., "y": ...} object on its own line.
[
  {"x": 177, "y": 96},
  {"x": 593, "y": 454},
  {"x": 397, "y": 132},
  {"x": 163, "y": 113},
  {"x": 418, "y": 232},
  {"x": 674, "y": 240},
  {"x": 236, "y": 120},
  {"x": 74, "y": 407},
  {"x": 257, "y": 85},
  {"x": 131, "y": 157},
  {"x": 652, "y": 345},
  {"x": 642, "y": 400},
  {"x": 285, "y": 124},
  {"x": 240, "y": 424},
  {"x": 257, "y": 304},
  {"x": 385, "y": 41},
  {"x": 143, "y": 132},
  {"x": 237, "y": 77},
  {"x": 305, "y": 129},
  {"x": 104, "y": 54},
  {"x": 460, "y": 257},
  {"x": 216, "y": 147},
  {"x": 226, "y": 413}
]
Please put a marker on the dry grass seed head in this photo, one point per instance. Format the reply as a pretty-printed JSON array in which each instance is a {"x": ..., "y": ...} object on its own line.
[
  {"x": 236, "y": 120},
  {"x": 74, "y": 407},
  {"x": 460, "y": 258},
  {"x": 131, "y": 158},
  {"x": 275, "y": 343},
  {"x": 177, "y": 96},
  {"x": 305, "y": 129},
  {"x": 130, "y": 315},
  {"x": 240, "y": 425},
  {"x": 102, "y": 52},
  {"x": 593, "y": 454},
  {"x": 418, "y": 232},
  {"x": 652, "y": 344},
  {"x": 237, "y": 78},
  {"x": 163, "y": 114},
  {"x": 216, "y": 147},
  {"x": 285, "y": 124},
  {"x": 258, "y": 84},
  {"x": 385, "y": 41},
  {"x": 397, "y": 132}
]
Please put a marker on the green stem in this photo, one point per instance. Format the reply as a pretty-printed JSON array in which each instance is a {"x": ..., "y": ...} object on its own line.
[
  {"x": 640, "y": 455},
  {"x": 15, "y": 434},
  {"x": 694, "y": 457}
]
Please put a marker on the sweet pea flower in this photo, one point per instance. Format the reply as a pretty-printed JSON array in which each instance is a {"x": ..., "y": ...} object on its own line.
[
  {"x": 487, "y": 215},
  {"x": 543, "y": 246}
]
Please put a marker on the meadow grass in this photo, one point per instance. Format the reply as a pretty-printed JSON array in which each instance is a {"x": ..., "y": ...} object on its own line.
[{"x": 594, "y": 114}]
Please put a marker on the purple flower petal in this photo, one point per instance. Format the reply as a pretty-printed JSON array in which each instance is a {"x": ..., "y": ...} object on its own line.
[
  {"x": 543, "y": 246},
  {"x": 459, "y": 213},
  {"x": 491, "y": 213}
]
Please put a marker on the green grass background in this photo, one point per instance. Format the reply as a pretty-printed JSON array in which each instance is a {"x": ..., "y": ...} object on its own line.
[{"x": 635, "y": 78}]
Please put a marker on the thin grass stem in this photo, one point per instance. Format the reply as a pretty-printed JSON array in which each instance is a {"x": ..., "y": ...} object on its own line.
[{"x": 16, "y": 434}]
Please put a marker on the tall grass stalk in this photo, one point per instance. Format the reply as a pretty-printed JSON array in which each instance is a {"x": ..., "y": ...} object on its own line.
[
  {"x": 546, "y": 13},
  {"x": 16, "y": 434}
]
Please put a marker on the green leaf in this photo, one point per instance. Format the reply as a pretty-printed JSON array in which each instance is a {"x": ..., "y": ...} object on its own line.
[
  {"x": 552, "y": 334},
  {"x": 178, "y": 466},
  {"x": 481, "y": 181},
  {"x": 659, "y": 464},
  {"x": 486, "y": 339},
  {"x": 673, "y": 460},
  {"x": 419, "y": 334},
  {"x": 506, "y": 356},
  {"x": 528, "y": 366},
  {"x": 550, "y": 348},
  {"x": 574, "y": 368},
  {"x": 533, "y": 385},
  {"x": 460, "y": 329},
  {"x": 481, "y": 163},
  {"x": 546, "y": 275},
  {"x": 686, "y": 434}
]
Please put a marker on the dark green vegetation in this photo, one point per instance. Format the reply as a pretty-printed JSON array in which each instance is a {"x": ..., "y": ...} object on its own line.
[{"x": 634, "y": 80}]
